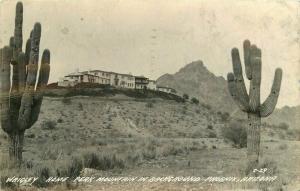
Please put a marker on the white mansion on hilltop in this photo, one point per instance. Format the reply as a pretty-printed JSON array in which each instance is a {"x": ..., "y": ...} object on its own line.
[{"x": 113, "y": 79}]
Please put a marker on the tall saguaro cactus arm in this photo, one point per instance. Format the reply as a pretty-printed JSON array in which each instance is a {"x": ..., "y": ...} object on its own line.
[
  {"x": 250, "y": 103},
  {"x": 269, "y": 105},
  {"x": 20, "y": 99}
]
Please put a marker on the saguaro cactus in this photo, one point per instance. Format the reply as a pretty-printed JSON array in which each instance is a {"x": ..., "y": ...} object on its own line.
[
  {"x": 21, "y": 91},
  {"x": 251, "y": 103}
]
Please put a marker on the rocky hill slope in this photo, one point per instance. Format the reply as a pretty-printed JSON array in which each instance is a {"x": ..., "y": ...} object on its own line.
[{"x": 197, "y": 81}]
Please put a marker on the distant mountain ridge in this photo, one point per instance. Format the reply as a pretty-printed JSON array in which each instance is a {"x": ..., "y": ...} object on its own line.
[{"x": 197, "y": 81}]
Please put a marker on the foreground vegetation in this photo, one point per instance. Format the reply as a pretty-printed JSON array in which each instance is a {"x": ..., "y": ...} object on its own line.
[{"x": 121, "y": 136}]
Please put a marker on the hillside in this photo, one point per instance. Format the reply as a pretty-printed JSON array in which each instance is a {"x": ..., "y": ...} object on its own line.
[
  {"x": 288, "y": 115},
  {"x": 125, "y": 136},
  {"x": 195, "y": 80}
]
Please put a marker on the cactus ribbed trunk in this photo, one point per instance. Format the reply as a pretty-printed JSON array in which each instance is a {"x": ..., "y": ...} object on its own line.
[
  {"x": 22, "y": 87},
  {"x": 253, "y": 140},
  {"x": 16, "y": 141},
  {"x": 251, "y": 103}
]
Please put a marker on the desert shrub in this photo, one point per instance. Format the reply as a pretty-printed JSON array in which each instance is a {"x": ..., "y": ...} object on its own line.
[
  {"x": 225, "y": 116},
  {"x": 197, "y": 134},
  {"x": 103, "y": 162},
  {"x": 29, "y": 164},
  {"x": 31, "y": 135},
  {"x": 59, "y": 120},
  {"x": 43, "y": 173},
  {"x": 66, "y": 100},
  {"x": 283, "y": 126},
  {"x": 212, "y": 135},
  {"x": 205, "y": 105},
  {"x": 195, "y": 100},
  {"x": 210, "y": 127},
  {"x": 291, "y": 132},
  {"x": 271, "y": 168},
  {"x": 72, "y": 169},
  {"x": 281, "y": 135},
  {"x": 80, "y": 106},
  {"x": 235, "y": 132},
  {"x": 48, "y": 125},
  {"x": 4, "y": 184},
  {"x": 132, "y": 158},
  {"x": 149, "y": 152},
  {"x": 149, "y": 149},
  {"x": 184, "y": 110},
  {"x": 271, "y": 134},
  {"x": 50, "y": 153},
  {"x": 149, "y": 104},
  {"x": 269, "y": 164},
  {"x": 283, "y": 147},
  {"x": 185, "y": 96},
  {"x": 172, "y": 150}
]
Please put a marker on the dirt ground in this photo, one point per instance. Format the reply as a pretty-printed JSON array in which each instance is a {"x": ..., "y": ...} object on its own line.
[{"x": 154, "y": 138}]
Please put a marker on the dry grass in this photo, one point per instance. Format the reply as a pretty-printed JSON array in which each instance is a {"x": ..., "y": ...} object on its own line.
[{"x": 129, "y": 137}]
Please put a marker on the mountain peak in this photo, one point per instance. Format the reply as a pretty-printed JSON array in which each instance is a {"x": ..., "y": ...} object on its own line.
[
  {"x": 197, "y": 81},
  {"x": 194, "y": 65}
]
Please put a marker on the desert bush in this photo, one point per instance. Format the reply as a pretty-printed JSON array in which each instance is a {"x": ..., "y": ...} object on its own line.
[
  {"x": 149, "y": 105},
  {"x": 28, "y": 164},
  {"x": 31, "y": 135},
  {"x": 43, "y": 173},
  {"x": 207, "y": 106},
  {"x": 72, "y": 169},
  {"x": 172, "y": 150},
  {"x": 149, "y": 149},
  {"x": 184, "y": 110},
  {"x": 225, "y": 116},
  {"x": 149, "y": 153},
  {"x": 271, "y": 134},
  {"x": 283, "y": 147},
  {"x": 197, "y": 134},
  {"x": 212, "y": 135},
  {"x": 210, "y": 127},
  {"x": 283, "y": 126},
  {"x": 195, "y": 100},
  {"x": 59, "y": 120},
  {"x": 270, "y": 165},
  {"x": 235, "y": 132},
  {"x": 185, "y": 96},
  {"x": 48, "y": 125},
  {"x": 133, "y": 157},
  {"x": 102, "y": 162},
  {"x": 50, "y": 153},
  {"x": 7, "y": 185},
  {"x": 281, "y": 135},
  {"x": 271, "y": 170},
  {"x": 66, "y": 100},
  {"x": 80, "y": 106},
  {"x": 291, "y": 132}
]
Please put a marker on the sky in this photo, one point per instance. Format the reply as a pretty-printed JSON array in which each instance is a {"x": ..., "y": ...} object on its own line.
[{"x": 151, "y": 37}]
